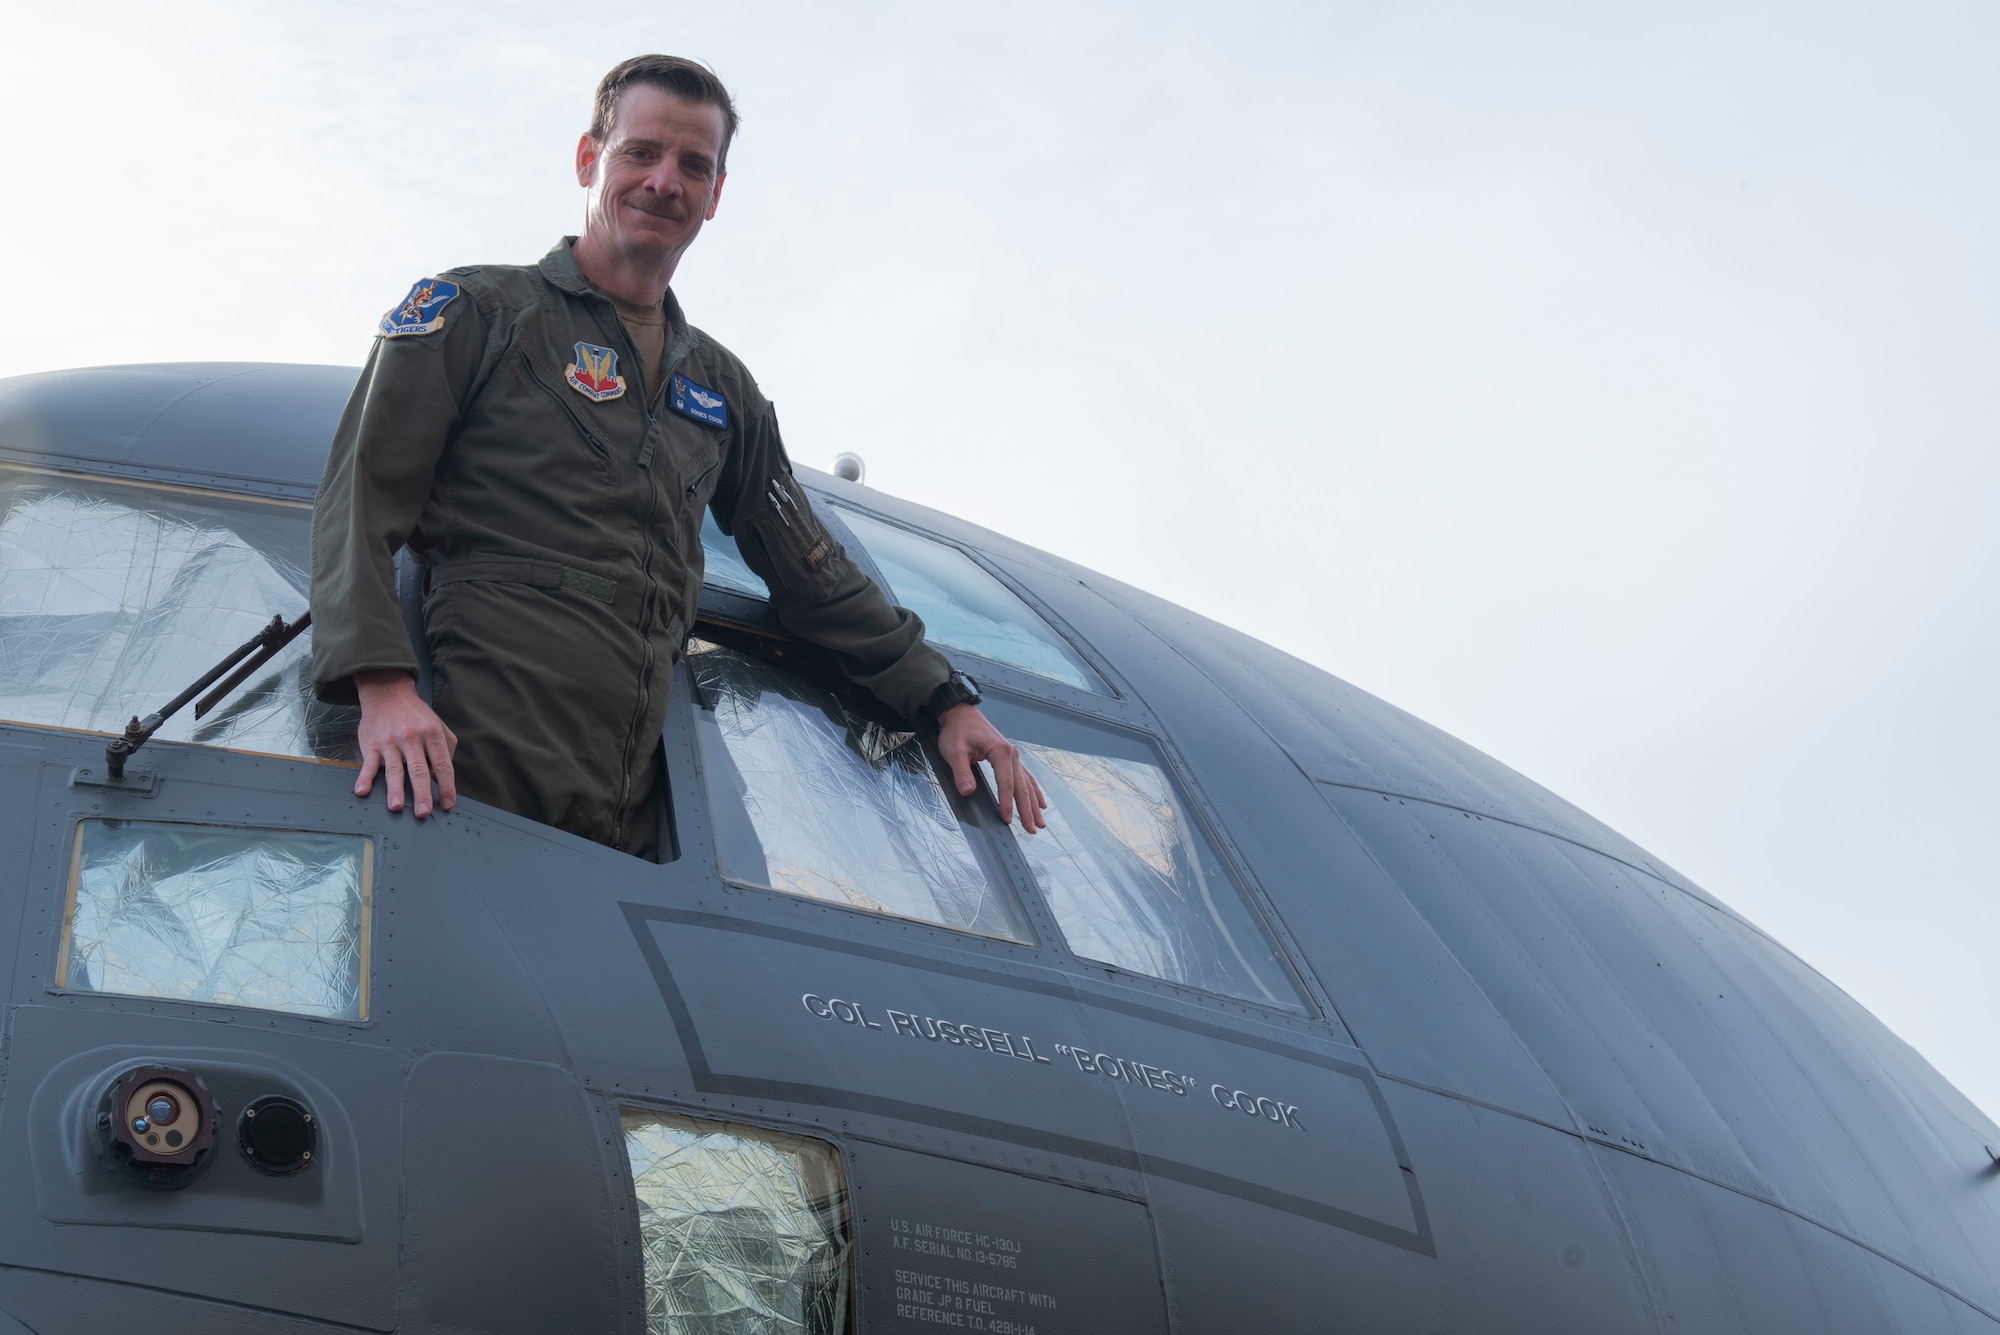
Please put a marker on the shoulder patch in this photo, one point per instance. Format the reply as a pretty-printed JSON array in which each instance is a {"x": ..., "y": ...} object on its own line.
[
  {"x": 422, "y": 312},
  {"x": 594, "y": 373},
  {"x": 697, "y": 401}
]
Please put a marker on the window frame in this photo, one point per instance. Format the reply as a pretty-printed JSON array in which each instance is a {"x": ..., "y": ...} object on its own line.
[
  {"x": 1208, "y": 828},
  {"x": 611, "y": 1111},
  {"x": 181, "y": 483},
  {"x": 66, "y": 863},
  {"x": 730, "y": 607},
  {"x": 1122, "y": 709},
  {"x": 191, "y": 479},
  {"x": 692, "y": 850},
  {"x": 687, "y": 772},
  {"x": 1069, "y": 639}
]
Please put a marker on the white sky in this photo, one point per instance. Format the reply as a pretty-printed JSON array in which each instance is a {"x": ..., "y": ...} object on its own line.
[{"x": 1611, "y": 385}]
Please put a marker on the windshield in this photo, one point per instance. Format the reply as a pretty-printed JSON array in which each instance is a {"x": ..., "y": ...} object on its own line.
[
  {"x": 723, "y": 565},
  {"x": 813, "y": 795},
  {"x": 1125, "y": 867},
  {"x": 115, "y": 596},
  {"x": 964, "y": 607}
]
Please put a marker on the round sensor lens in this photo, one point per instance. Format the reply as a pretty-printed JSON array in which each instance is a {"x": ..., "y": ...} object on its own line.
[{"x": 156, "y": 1126}]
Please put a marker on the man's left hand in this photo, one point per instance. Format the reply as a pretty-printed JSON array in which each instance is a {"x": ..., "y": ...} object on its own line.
[{"x": 965, "y": 738}]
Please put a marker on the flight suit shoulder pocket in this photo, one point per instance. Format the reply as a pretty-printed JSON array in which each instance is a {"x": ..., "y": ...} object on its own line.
[{"x": 808, "y": 563}]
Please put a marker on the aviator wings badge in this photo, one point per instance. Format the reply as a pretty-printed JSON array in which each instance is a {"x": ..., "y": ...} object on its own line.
[
  {"x": 594, "y": 373},
  {"x": 697, "y": 401}
]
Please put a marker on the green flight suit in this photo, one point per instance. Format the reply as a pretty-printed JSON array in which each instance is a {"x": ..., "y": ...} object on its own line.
[{"x": 558, "y": 518}]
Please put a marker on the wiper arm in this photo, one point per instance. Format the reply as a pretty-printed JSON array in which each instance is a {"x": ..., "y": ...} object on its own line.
[{"x": 259, "y": 650}]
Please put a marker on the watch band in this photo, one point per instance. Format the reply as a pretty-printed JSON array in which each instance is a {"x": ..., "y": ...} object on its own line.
[{"x": 957, "y": 689}]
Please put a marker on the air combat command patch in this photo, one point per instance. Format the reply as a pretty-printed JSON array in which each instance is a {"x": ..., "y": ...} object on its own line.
[
  {"x": 422, "y": 312},
  {"x": 594, "y": 373},
  {"x": 703, "y": 405}
]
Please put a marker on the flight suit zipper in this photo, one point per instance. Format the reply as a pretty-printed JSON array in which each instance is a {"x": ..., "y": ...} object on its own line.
[
  {"x": 646, "y": 612},
  {"x": 648, "y": 606}
]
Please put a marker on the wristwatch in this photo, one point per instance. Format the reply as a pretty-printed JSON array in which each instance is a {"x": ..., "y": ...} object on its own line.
[{"x": 957, "y": 689}]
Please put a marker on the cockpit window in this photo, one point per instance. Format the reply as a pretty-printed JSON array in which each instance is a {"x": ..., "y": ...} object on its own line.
[
  {"x": 722, "y": 564},
  {"x": 964, "y": 607},
  {"x": 742, "y": 1230},
  {"x": 816, "y": 792},
  {"x": 1130, "y": 877},
  {"x": 115, "y": 596}
]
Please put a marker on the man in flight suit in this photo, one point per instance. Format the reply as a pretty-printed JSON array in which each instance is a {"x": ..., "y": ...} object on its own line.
[{"x": 545, "y": 438}]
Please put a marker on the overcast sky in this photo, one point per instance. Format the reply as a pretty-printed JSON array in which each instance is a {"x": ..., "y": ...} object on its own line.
[{"x": 1610, "y": 385}]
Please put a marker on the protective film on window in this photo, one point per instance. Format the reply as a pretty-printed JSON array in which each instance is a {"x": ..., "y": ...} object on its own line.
[
  {"x": 817, "y": 791},
  {"x": 964, "y": 607},
  {"x": 1129, "y": 875},
  {"x": 263, "y": 918},
  {"x": 723, "y": 565},
  {"x": 114, "y": 597},
  {"x": 742, "y": 1230}
]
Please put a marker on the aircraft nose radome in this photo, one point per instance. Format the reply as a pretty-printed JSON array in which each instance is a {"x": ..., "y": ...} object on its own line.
[{"x": 1641, "y": 1010}]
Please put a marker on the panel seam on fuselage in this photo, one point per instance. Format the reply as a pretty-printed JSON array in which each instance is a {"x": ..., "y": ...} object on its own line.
[
  {"x": 1796, "y": 1213},
  {"x": 1711, "y": 905},
  {"x": 163, "y": 742},
  {"x": 289, "y": 1314}
]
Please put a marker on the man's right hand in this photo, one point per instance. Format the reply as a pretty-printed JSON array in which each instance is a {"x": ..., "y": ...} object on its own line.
[{"x": 403, "y": 739}]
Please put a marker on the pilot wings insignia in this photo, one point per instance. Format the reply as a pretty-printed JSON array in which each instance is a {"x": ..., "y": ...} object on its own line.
[
  {"x": 594, "y": 373},
  {"x": 698, "y": 401}
]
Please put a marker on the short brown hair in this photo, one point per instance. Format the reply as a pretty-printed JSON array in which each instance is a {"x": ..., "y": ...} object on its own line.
[{"x": 689, "y": 80}]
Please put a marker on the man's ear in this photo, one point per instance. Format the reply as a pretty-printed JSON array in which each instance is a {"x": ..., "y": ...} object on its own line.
[
  {"x": 586, "y": 161},
  {"x": 715, "y": 198}
]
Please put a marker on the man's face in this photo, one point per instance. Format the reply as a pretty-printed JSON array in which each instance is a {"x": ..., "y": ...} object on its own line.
[{"x": 654, "y": 180}]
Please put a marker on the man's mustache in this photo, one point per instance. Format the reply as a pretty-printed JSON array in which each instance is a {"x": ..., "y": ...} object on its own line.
[{"x": 660, "y": 207}]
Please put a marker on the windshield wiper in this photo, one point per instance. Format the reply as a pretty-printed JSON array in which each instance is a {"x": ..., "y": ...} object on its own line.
[{"x": 259, "y": 650}]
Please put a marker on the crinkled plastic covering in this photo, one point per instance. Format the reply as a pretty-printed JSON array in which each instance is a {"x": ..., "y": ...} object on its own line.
[
  {"x": 115, "y": 597},
  {"x": 814, "y": 798},
  {"x": 259, "y": 918},
  {"x": 964, "y": 606},
  {"x": 744, "y": 1230},
  {"x": 1134, "y": 884}
]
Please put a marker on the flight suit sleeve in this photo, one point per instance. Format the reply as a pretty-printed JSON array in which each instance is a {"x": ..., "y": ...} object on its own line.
[
  {"x": 818, "y": 594},
  {"x": 402, "y": 413}
]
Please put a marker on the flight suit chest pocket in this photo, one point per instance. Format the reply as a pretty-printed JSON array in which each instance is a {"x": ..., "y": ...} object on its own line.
[
  {"x": 697, "y": 463},
  {"x": 549, "y": 390}
]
